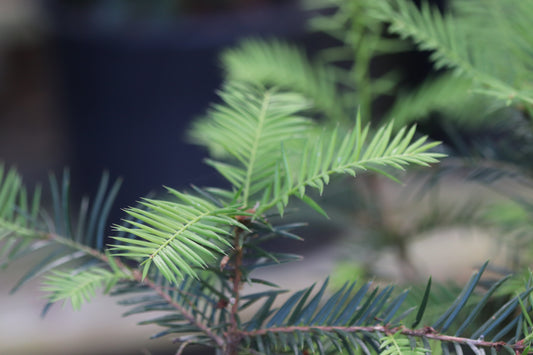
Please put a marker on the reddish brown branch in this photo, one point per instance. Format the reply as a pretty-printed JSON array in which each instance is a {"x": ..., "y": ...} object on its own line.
[
  {"x": 426, "y": 332},
  {"x": 236, "y": 288},
  {"x": 137, "y": 275},
  {"x": 234, "y": 334}
]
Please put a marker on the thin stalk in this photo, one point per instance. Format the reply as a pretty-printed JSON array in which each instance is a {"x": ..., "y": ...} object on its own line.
[
  {"x": 234, "y": 335},
  {"x": 219, "y": 341},
  {"x": 137, "y": 276},
  {"x": 425, "y": 332}
]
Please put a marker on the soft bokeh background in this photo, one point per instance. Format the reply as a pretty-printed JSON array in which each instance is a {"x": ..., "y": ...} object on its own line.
[{"x": 112, "y": 85}]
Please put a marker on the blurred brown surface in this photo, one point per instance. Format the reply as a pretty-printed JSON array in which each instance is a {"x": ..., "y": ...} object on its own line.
[{"x": 32, "y": 130}]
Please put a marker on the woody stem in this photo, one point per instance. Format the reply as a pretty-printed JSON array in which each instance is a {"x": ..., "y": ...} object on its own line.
[{"x": 234, "y": 335}]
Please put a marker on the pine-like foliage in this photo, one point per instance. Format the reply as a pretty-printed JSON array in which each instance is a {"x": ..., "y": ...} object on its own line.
[
  {"x": 485, "y": 49},
  {"x": 338, "y": 79},
  {"x": 176, "y": 237},
  {"x": 189, "y": 255},
  {"x": 477, "y": 98},
  {"x": 465, "y": 40},
  {"x": 258, "y": 62},
  {"x": 282, "y": 153},
  {"x": 473, "y": 41}
]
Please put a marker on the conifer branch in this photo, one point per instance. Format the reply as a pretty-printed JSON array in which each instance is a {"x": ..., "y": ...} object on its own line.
[
  {"x": 425, "y": 332},
  {"x": 138, "y": 276}
]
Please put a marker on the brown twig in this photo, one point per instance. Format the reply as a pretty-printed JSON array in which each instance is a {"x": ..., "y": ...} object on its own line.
[
  {"x": 426, "y": 332},
  {"x": 234, "y": 334},
  {"x": 137, "y": 276}
]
